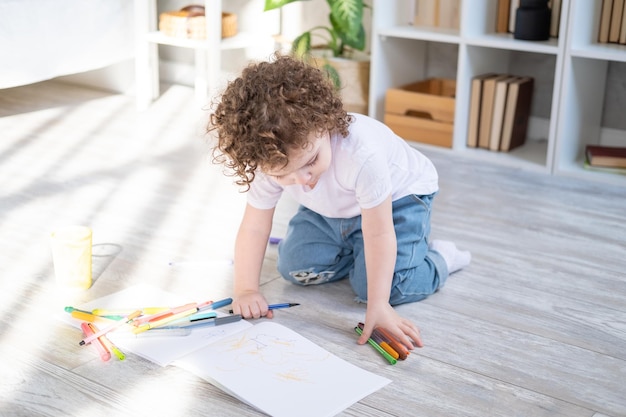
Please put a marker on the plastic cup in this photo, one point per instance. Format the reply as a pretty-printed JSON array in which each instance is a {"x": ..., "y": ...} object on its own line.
[{"x": 71, "y": 255}]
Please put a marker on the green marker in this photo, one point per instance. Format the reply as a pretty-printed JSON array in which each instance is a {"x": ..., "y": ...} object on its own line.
[{"x": 380, "y": 350}]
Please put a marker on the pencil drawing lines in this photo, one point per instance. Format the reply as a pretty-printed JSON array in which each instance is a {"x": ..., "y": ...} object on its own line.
[
  {"x": 279, "y": 357},
  {"x": 296, "y": 375}
]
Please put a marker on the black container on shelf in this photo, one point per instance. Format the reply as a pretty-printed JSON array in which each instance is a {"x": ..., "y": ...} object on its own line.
[{"x": 532, "y": 20}]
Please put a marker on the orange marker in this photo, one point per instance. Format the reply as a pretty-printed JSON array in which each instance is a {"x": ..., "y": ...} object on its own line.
[
  {"x": 105, "y": 355},
  {"x": 81, "y": 315},
  {"x": 397, "y": 346},
  {"x": 381, "y": 342}
]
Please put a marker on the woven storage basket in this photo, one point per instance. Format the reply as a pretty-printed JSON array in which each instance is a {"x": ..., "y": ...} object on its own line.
[{"x": 189, "y": 22}]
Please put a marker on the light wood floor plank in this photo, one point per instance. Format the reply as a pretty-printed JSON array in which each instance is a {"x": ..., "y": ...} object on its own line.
[{"x": 535, "y": 326}]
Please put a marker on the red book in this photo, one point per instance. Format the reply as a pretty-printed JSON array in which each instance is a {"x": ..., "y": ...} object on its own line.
[{"x": 606, "y": 156}]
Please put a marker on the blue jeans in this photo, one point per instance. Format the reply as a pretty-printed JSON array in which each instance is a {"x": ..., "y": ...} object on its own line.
[{"x": 319, "y": 249}]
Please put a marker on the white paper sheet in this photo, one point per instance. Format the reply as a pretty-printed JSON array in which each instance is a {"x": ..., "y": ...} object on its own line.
[
  {"x": 281, "y": 373},
  {"x": 266, "y": 365}
]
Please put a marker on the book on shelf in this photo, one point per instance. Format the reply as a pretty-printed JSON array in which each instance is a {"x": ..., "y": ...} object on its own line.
[
  {"x": 616, "y": 21},
  {"x": 486, "y": 110},
  {"x": 514, "y": 5},
  {"x": 516, "y": 113},
  {"x": 502, "y": 16},
  {"x": 425, "y": 13},
  {"x": 497, "y": 117},
  {"x": 437, "y": 13},
  {"x": 606, "y": 170},
  {"x": 622, "y": 32},
  {"x": 266, "y": 365},
  {"x": 606, "y": 156},
  {"x": 474, "y": 113},
  {"x": 449, "y": 14},
  {"x": 605, "y": 21},
  {"x": 555, "y": 18}
]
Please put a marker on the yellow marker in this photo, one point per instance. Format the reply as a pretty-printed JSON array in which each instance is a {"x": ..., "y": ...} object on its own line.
[
  {"x": 80, "y": 315},
  {"x": 164, "y": 321},
  {"x": 124, "y": 312}
]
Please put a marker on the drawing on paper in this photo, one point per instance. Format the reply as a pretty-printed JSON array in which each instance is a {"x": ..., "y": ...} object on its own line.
[{"x": 280, "y": 357}]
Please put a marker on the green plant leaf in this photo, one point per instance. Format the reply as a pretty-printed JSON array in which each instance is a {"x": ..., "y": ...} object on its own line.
[
  {"x": 275, "y": 4},
  {"x": 346, "y": 16},
  {"x": 301, "y": 46},
  {"x": 332, "y": 74},
  {"x": 354, "y": 40}
]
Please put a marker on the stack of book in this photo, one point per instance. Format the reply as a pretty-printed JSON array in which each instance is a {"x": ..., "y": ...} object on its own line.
[
  {"x": 612, "y": 28},
  {"x": 437, "y": 13},
  {"x": 606, "y": 158},
  {"x": 505, "y": 16},
  {"x": 499, "y": 111}
]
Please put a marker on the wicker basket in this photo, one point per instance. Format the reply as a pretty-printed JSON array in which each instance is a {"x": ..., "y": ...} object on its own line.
[{"x": 190, "y": 23}]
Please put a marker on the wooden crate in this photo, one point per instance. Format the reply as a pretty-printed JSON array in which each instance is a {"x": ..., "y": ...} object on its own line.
[{"x": 422, "y": 111}]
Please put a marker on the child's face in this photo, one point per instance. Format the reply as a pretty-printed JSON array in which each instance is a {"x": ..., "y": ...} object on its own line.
[{"x": 305, "y": 165}]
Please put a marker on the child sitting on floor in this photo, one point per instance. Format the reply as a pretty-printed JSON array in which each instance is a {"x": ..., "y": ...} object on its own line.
[{"x": 365, "y": 195}]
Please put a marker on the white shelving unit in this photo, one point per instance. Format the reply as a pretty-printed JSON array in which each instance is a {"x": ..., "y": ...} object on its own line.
[
  {"x": 584, "y": 87},
  {"x": 574, "y": 89},
  {"x": 207, "y": 52}
]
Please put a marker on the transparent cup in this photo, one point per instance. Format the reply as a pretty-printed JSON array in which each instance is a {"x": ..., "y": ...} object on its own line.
[{"x": 71, "y": 255}]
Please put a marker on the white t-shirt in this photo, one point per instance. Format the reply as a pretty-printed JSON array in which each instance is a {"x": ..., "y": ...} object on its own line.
[{"x": 369, "y": 164}]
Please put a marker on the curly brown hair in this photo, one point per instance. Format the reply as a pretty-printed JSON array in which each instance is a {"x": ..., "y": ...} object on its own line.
[{"x": 274, "y": 106}]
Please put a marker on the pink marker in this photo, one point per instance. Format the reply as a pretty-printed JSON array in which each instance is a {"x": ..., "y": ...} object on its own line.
[
  {"x": 174, "y": 310},
  {"x": 105, "y": 355},
  {"x": 127, "y": 319}
]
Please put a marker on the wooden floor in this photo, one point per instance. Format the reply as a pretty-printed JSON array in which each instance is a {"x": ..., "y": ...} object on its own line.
[{"x": 535, "y": 326}]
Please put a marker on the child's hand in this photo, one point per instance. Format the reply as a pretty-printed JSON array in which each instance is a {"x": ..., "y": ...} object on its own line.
[
  {"x": 403, "y": 330},
  {"x": 251, "y": 305}
]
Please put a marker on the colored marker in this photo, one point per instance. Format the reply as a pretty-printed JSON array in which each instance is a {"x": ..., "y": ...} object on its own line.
[
  {"x": 105, "y": 355},
  {"x": 395, "y": 345},
  {"x": 220, "y": 303},
  {"x": 127, "y": 319},
  {"x": 375, "y": 345},
  {"x": 163, "y": 314},
  {"x": 194, "y": 318},
  {"x": 71, "y": 309},
  {"x": 276, "y": 306},
  {"x": 202, "y": 315},
  {"x": 282, "y": 305},
  {"x": 126, "y": 311},
  {"x": 164, "y": 321},
  {"x": 88, "y": 317},
  {"x": 275, "y": 240},
  {"x": 210, "y": 322},
  {"x": 108, "y": 344},
  {"x": 381, "y": 342},
  {"x": 384, "y": 342},
  {"x": 157, "y": 332}
]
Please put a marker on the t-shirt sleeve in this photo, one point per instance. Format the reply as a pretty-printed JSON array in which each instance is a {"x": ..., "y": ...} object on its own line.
[{"x": 264, "y": 193}]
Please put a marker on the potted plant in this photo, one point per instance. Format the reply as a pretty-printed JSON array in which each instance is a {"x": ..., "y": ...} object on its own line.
[{"x": 340, "y": 52}]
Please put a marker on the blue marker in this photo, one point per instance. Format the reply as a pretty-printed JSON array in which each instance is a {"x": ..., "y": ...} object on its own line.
[{"x": 218, "y": 304}]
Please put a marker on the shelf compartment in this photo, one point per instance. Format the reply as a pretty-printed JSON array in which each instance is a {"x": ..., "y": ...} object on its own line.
[{"x": 240, "y": 40}]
